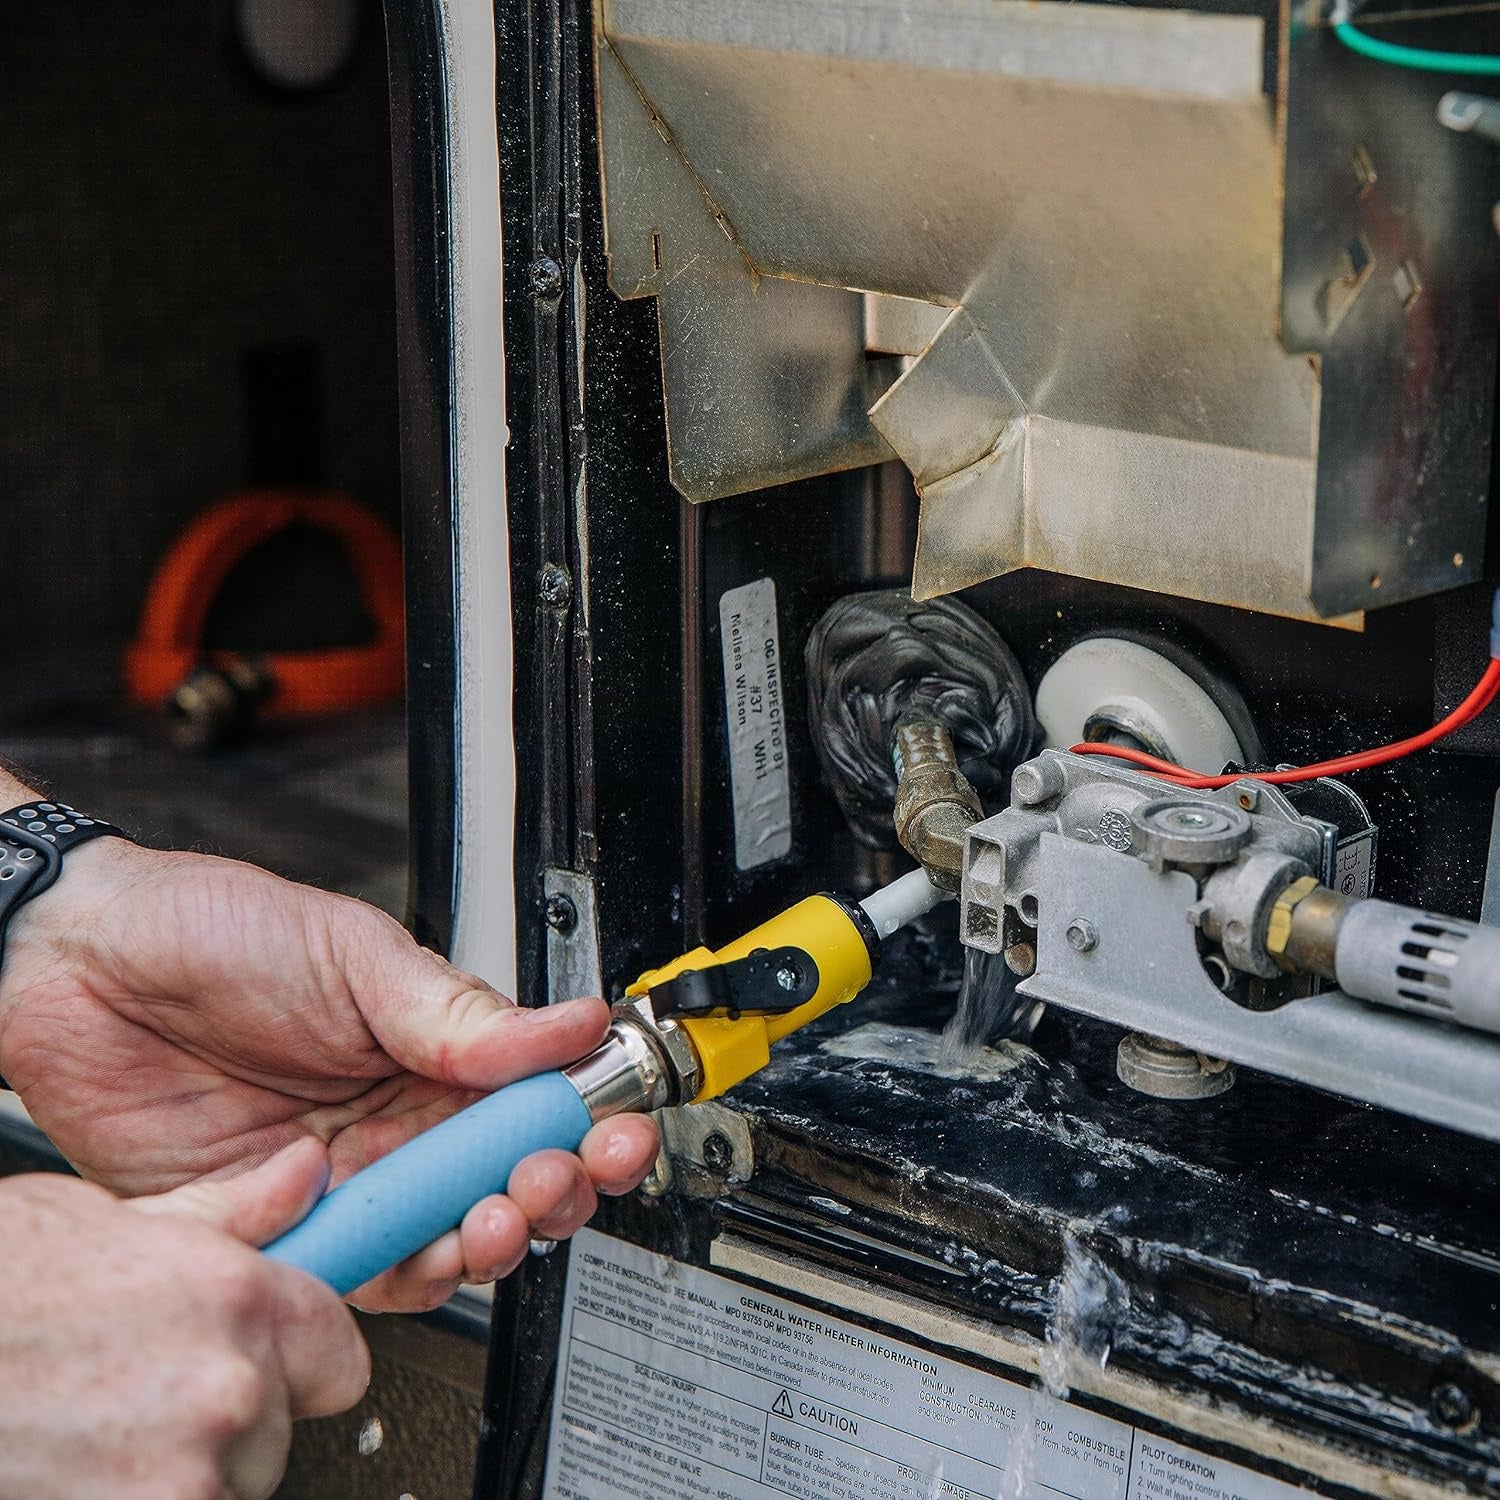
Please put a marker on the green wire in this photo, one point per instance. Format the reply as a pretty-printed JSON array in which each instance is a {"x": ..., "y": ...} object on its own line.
[{"x": 1473, "y": 64}]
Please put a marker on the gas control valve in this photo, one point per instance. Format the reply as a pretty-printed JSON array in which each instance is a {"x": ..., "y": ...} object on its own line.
[{"x": 1214, "y": 919}]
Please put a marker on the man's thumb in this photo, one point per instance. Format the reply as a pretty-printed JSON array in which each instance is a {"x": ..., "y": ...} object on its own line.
[{"x": 257, "y": 1205}]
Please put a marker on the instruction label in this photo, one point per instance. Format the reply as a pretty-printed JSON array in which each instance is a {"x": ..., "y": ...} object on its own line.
[
  {"x": 759, "y": 775},
  {"x": 679, "y": 1384}
]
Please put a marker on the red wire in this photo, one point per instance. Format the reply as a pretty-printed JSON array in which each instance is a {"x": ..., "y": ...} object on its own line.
[{"x": 1361, "y": 760}]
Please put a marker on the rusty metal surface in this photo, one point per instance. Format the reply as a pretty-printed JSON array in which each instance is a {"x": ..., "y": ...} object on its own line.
[
  {"x": 765, "y": 380},
  {"x": 1094, "y": 193},
  {"x": 1408, "y": 363}
]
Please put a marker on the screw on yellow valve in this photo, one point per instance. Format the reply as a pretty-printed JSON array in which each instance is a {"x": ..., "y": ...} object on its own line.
[{"x": 730, "y": 1051}]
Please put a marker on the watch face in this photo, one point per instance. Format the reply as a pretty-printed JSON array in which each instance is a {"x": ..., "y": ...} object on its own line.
[{"x": 298, "y": 45}]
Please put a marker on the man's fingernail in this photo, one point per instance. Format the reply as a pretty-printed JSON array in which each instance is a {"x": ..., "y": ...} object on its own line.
[{"x": 555, "y": 1015}]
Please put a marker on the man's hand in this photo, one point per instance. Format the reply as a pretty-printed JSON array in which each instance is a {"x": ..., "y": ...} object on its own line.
[
  {"x": 147, "y": 1354},
  {"x": 169, "y": 1018}
]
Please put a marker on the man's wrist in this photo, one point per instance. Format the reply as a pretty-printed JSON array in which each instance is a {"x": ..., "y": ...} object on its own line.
[
  {"x": 47, "y": 938},
  {"x": 90, "y": 875},
  {"x": 36, "y": 836}
]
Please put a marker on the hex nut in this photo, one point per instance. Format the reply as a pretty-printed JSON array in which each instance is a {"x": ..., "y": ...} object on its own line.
[
  {"x": 1279, "y": 924},
  {"x": 1082, "y": 935},
  {"x": 1241, "y": 896},
  {"x": 1165, "y": 1070}
]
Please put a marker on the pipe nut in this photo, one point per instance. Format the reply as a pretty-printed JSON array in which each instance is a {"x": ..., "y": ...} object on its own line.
[{"x": 1279, "y": 924}]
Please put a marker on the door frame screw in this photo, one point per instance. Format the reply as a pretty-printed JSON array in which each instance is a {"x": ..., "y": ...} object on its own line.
[
  {"x": 561, "y": 914},
  {"x": 718, "y": 1154},
  {"x": 555, "y": 586},
  {"x": 546, "y": 277},
  {"x": 1453, "y": 1406}
]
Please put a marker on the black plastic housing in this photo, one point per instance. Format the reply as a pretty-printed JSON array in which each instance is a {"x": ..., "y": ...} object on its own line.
[{"x": 1290, "y": 1256}]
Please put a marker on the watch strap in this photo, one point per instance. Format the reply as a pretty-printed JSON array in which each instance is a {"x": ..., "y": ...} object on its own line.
[
  {"x": 34, "y": 837},
  {"x": 59, "y": 823}
]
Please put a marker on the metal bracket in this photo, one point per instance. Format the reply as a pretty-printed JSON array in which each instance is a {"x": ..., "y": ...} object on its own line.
[
  {"x": 709, "y": 1143},
  {"x": 1143, "y": 972},
  {"x": 573, "y": 966},
  {"x": 1489, "y": 911}
]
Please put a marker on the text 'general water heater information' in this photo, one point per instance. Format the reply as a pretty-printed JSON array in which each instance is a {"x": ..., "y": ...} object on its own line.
[{"x": 678, "y": 1384}]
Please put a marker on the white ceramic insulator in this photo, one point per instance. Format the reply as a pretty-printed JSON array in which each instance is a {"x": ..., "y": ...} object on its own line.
[{"x": 1108, "y": 673}]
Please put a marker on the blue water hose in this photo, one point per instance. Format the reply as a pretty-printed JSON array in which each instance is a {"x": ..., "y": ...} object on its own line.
[{"x": 421, "y": 1190}]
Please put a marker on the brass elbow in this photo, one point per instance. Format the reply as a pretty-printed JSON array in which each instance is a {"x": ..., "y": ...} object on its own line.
[{"x": 935, "y": 804}]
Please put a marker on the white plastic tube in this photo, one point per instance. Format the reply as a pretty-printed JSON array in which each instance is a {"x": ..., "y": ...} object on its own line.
[{"x": 902, "y": 901}]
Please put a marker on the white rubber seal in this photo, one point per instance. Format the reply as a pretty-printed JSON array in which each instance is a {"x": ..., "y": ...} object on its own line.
[{"x": 1106, "y": 674}]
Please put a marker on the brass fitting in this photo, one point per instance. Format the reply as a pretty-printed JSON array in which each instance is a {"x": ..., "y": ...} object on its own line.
[
  {"x": 935, "y": 804},
  {"x": 1303, "y": 928}
]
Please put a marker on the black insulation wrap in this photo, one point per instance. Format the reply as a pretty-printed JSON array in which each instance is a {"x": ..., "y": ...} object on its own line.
[{"x": 873, "y": 656}]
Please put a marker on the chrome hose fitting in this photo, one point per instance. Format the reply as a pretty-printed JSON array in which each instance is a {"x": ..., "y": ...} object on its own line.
[{"x": 641, "y": 1066}]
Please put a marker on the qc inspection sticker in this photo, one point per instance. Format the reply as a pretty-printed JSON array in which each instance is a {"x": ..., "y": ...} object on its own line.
[
  {"x": 759, "y": 774},
  {"x": 679, "y": 1384}
]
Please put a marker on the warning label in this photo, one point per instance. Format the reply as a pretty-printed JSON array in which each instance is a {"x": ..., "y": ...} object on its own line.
[{"x": 677, "y": 1384}]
